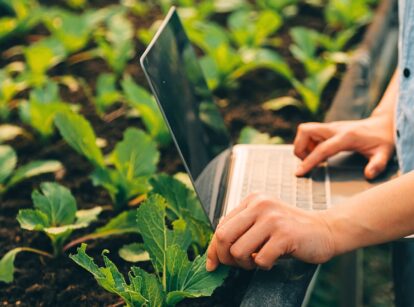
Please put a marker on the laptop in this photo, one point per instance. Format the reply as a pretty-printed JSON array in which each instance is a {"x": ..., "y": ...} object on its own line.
[{"x": 223, "y": 173}]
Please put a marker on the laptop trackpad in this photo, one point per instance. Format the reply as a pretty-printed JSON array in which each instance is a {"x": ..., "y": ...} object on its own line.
[{"x": 346, "y": 172}]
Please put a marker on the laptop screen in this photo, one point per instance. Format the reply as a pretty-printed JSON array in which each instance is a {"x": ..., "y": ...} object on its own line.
[{"x": 178, "y": 84}]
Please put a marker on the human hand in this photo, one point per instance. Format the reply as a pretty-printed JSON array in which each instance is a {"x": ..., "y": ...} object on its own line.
[
  {"x": 263, "y": 228},
  {"x": 372, "y": 137}
]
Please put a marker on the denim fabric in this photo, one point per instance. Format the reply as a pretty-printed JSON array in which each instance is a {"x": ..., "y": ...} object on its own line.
[{"x": 405, "y": 106}]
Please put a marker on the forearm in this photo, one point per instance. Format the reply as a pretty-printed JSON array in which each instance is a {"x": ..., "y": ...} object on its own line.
[
  {"x": 389, "y": 100},
  {"x": 378, "y": 215}
]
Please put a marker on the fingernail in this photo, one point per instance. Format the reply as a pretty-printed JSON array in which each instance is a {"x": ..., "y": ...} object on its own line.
[{"x": 209, "y": 265}]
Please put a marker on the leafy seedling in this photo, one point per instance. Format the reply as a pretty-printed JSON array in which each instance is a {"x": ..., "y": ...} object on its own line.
[
  {"x": 9, "y": 87},
  {"x": 106, "y": 92},
  {"x": 175, "y": 278},
  {"x": 253, "y": 29},
  {"x": 10, "y": 175},
  {"x": 116, "y": 46},
  {"x": 144, "y": 102},
  {"x": 40, "y": 57},
  {"x": 55, "y": 214},
  {"x": 40, "y": 110},
  {"x": 346, "y": 14},
  {"x": 128, "y": 167}
]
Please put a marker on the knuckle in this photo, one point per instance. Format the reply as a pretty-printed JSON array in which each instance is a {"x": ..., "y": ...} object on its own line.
[
  {"x": 237, "y": 252},
  {"x": 221, "y": 235}
]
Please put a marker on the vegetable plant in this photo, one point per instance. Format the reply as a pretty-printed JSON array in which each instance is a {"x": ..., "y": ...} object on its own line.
[
  {"x": 127, "y": 169},
  {"x": 144, "y": 102},
  {"x": 249, "y": 135},
  {"x": 9, "y": 87},
  {"x": 175, "y": 277},
  {"x": 106, "y": 92},
  {"x": 55, "y": 214},
  {"x": 253, "y": 29},
  {"x": 116, "y": 44},
  {"x": 40, "y": 110},
  {"x": 10, "y": 175},
  {"x": 343, "y": 14}
]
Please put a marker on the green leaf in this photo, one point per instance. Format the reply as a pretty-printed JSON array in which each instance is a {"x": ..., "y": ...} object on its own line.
[
  {"x": 157, "y": 237},
  {"x": 32, "y": 219},
  {"x": 7, "y": 265},
  {"x": 57, "y": 202},
  {"x": 87, "y": 216},
  {"x": 146, "y": 105},
  {"x": 250, "y": 135},
  {"x": 125, "y": 222},
  {"x": 136, "y": 155},
  {"x": 10, "y": 132},
  {"x": 117, "y": 47},
  {"x": 106, "y": 92},
  {"x": 108, "y": 277},
  {"x": 279, "y": 103},
  {"x": 8, "y": 161},
  {"x": 149, "y": 286},
  {"x": 134, "y": 252},
  {"x": 40, "y": 110},
  {"x": 32, "y": 169},
  {"x": 78, "y": 133},
  {"x": 190, "y": 280}
]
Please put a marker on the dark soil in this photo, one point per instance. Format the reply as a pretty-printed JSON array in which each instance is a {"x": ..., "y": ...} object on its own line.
[{"x": 40, "y": 281}]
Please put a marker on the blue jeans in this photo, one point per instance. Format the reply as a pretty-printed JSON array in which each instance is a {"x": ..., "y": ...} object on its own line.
[{"x": 403, "y": 271}]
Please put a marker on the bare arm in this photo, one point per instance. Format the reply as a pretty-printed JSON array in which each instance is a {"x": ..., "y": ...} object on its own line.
[{"x": 381, "y": 214}]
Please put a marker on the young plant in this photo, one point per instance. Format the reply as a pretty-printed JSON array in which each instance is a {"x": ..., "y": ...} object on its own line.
[
  {"x": 116, "y": 46},
  {"x": 40, "y": 57},
  {"x": 175, "y": 278},
  {"x": 249, "y": 135},
  {"x": 126, "y": 171},
  {"x": 56, "y": 215},
  {"x": 250, "y": 29},
  {"x": 74, "y": 30},
  {"x": 18, "y": 17},
  {"x": 40, "y": 110},
  {"x": 10, "y": 175},
  {"x": 9, "y": 87},
  {"x": 106, "y": 92},
  {"x": 345, "y": 14},
  {"x": 144, "y": 102}
]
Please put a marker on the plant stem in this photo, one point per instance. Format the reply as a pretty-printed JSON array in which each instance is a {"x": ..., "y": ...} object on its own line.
[{"x": 36, "y": 251}]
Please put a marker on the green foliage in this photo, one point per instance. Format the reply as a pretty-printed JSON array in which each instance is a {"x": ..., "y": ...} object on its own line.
[
  {"x": 22, "y": 16},
  {"x": 116, "y": 45},
  {"x": 55, "y": 214},
  {"x": 175, "y": 276},
  {"x": 10, "y": 176},
  {"x": 253, "y": 29},
  {"x": 9, "y": 87},
  {"x": 344, "y": 14},
  {"x": 134, "y": 159},
  {"x": 147, "y": 107},
  {"x": 249, "y": 135},
  {"x": 123, "y": 223},
  {"x": 106, "y": 92},
  {"x": 129, "y": 166},
  {"x": 40, "y": 110},
  {"x": 7, "y": 265},
  {"x": 182, "y": 203},
  {"x": 134, "y": 252},
  {"x": 40, "y": 57},
  {"x": 78, "y": 133}
]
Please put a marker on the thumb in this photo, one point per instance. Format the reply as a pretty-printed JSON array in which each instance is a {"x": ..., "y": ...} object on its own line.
[{"x": 376, "y": 164}]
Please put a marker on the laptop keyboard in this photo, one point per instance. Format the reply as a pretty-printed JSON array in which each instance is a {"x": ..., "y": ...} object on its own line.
[{"x": 274, "y": 174}]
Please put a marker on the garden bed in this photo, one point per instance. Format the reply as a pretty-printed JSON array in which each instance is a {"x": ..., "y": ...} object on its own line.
[{"x": 39, "y": 281}]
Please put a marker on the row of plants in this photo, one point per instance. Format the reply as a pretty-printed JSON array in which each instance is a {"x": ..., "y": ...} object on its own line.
[{"x": 109, "y": 120}]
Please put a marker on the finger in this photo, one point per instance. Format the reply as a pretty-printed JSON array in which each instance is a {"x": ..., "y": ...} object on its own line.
[
  {"x": 323, "y": 151},
  {"x": 238, "y": 209},
  {"x": 308, "y": 135},
  {"x": 376, "y": 164},
  {"x": 249, "y": 243},
  {"x": 269, "y": 253},
  {"x": 212, "y": 261}
]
